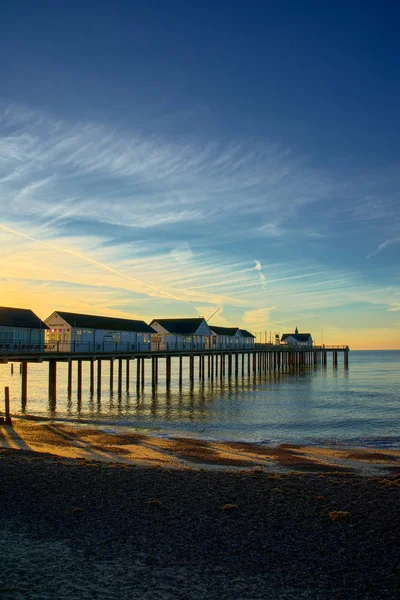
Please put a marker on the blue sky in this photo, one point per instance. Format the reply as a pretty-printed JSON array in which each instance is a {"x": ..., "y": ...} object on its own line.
[{"x": 172, "y": 158}]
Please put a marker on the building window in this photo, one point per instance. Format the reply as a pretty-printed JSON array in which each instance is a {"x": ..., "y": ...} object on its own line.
[{"x": 6, "y": 334}]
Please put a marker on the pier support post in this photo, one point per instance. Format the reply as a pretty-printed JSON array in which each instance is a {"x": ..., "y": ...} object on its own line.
[
  {"x": 180, "y": 370},
  {"x": 119, "y": 375},
  {"x": 24, "y": 382},
  {"x": 138, "y": 372},
  {"x": 127, "y": 374},
  {"x": 52, "y": 379},
  {"x": 69, "y": 379},
  {"x": 346, "y": 358},
  {"x": 168, "y": 371},
  {"x": 91, "y": 377},
  {"x": 153, "y": 371},
  {"x": 191, "y": 367},
  {"x": 142, "y": 378},
  {"x": 79, "y": 381},
  {"x": 99, "y": 377},
  {"x": 7, "y": 405},
  {"x": 229, "y": 365},
  {"x": 111, "y": 375}
]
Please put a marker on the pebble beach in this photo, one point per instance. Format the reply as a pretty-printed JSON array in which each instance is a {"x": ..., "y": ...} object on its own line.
[{"x": 87, "y": 514}]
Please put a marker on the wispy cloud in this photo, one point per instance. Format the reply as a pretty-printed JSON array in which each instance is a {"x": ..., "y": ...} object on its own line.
[
  {"x": 384, "y": 245},
  {"x": 121, "y": 223},
  {"x": 126, "y": 179},
  {"x": 261, "y": 275}
]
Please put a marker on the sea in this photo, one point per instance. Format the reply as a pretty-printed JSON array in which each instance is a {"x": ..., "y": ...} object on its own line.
[{"x": 358, "y": 405}]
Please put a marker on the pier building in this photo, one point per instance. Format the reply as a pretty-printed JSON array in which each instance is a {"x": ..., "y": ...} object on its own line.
[
  {"x": 74, "y": 332},
  {"x": 180, "y": 334},
  {"x": 226, "y": 337},
  {"x": 248, "y": 338},
  {"x": 297, "y": 339},
  {"x": 20, "y": 327}
]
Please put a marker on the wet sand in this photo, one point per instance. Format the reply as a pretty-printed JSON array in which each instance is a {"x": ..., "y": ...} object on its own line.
[
  {"x": 91, "y": 515},
  {"x": 89, "y": 443}
]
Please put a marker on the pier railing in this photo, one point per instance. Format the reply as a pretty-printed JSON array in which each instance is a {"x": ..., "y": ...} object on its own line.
[
  {"x": 120, "y": 347},
  {"x": 116, "y": 347}
]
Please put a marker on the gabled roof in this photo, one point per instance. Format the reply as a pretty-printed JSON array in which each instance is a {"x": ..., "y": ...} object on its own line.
[
  {"x": 20, "y": 317},
  {"x": 231, "y": 331},
  {"x": 97, "y": 322},
  {"x": 299, "y": 337},
  {"x": 246, "y": 333},
  {"x": 182, "y": 326}
]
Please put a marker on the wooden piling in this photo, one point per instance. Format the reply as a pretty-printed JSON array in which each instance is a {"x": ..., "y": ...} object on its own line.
[
  {"x": 127, "y": 374},
  {"x": 79, "y": 382},
  {"x": 91, "y": 369},
  {"x": 119, "y": 375},
  {"x": 52, "y": 379},
  {"x": 69, "y": 379},
  {"x": 98, "y": 377},
  {"x": 111, "y": 375},
  {"x": 24, "y": 382},
  {"x": 191, "y": 367},
  {"x": 137, "y": 372},
  {"x": 168, "y": 371},
  {"x": 153, "y": 371},
  {"x": 7, "y": 417}
]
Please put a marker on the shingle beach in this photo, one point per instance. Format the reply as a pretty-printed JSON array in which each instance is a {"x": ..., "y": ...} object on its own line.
[{"x": 86, "y": 527}]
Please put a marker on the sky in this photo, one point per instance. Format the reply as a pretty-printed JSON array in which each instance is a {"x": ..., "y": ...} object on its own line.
[{"x": 174, "y": 159}]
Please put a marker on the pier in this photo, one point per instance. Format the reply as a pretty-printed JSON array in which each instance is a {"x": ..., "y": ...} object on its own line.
[{"x": 210, "y": 363}]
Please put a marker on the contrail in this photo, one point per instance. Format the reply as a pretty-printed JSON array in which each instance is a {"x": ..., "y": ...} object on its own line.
[{"x": 94, "y": 262}]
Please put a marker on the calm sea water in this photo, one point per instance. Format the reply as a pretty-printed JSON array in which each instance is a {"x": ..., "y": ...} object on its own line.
[{"x": 359, "y": 405}]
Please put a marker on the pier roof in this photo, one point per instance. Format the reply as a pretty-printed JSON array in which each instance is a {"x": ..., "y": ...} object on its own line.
[
  {"x": 183, "y": 326},
  {"x": 20, "y": 317},
  {"x": 246, "y": 333},
  {"x": 98, "y": 322},
  {"x": 299, "y": 337},
  {"x": 232, "y": 331}
]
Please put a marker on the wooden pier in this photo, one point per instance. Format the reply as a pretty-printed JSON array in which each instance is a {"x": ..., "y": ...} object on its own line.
[{"x": 211, "y": 364}]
